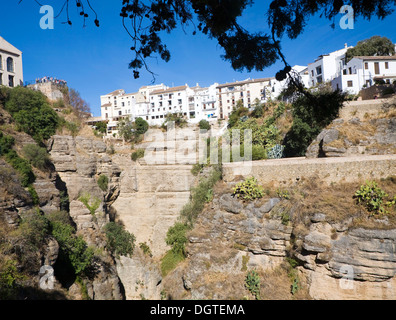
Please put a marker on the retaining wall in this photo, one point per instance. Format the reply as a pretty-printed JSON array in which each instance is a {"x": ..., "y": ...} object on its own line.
[{"x": 288, "y": 171}]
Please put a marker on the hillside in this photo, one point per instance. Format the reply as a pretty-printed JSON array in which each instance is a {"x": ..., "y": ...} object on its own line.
[{"x": 115, "y": 228}]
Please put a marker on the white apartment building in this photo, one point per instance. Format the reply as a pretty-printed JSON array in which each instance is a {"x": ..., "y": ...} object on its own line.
[
  {"x": 362, "y": 72},
  {"x": 327, "y": 67},
  {"x": 154, "y": 103},
  {"x": 11, "y": 71},
  {"x": 203, "y": 105}
]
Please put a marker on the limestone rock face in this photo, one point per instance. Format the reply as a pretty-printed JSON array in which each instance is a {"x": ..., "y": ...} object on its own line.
[
  {"x": 79, "y": 162},
  {"x": 141, "y": 277},
  {"x": 355, "y": 137},
  {"x": 150, "y": 200}
]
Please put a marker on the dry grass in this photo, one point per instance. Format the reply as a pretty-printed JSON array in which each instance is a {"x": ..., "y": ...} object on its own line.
[{"x": 337, "y": 203}]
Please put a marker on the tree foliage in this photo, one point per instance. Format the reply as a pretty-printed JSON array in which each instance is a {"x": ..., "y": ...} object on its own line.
[
  {"x": 32, "y": 112},
  {"x": 119, "y": 240},
  {"x": 80, "y": 107},
  {"x": 375, "y": 46},
  {"x": 311, "y": 114}
]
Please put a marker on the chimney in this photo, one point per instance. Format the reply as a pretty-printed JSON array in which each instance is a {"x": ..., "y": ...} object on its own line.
[{"x": 346, "y": 45}]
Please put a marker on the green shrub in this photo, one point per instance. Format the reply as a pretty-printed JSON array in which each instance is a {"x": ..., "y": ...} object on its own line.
[
  {"x": 35, "y": 229},
  {"x": 145, "y": 248},
  {"x": 177, "y": 118},
  {"x": 6, "y": 143},
  {"x": 101, "y": 127},
  {"x": 252, "y": 283},
  {"x": 73, "y": 127},
  {"x": 91, "y": 206},
  {"x": 266, "y": 136},
  {"x": 248, "y": 190},
  {"x": 73, "y": 250},
  {"x": 197, "y": 168},
  {"x": 34, "y": 195},
  {"x": 103, "y": 182},
  {"x": 37, "y": 156},
  {"x": 141, "y": 126},
  {"x": 372, "y": 198},
  {"x": 170, "y": 262},
  {"x": 176, "y": 237},
  {"x": 258, "y": 153},
  {"x": 138, "y": 154},
  {"x": 9, "y": 277},
  {"x": 119, "y": 241},
  {"x": 311, "y": 114},
  {"x": 32, "y": 113},
  {"x": 22, "y": 166},
  {"x": 204, "y": 125},
  {"x": 199, "y": 196}
]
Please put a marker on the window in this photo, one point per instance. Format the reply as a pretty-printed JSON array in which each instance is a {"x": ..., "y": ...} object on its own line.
[
  {"x": 376, "y": 67},
  {"x": 10, "y": 64},
  {"x": 312, "y": 72},
  {"x": 119, "y": 113},
  {"x": 366, "y": 65},
  {"x": 1, "y": 63},
  {"x": 1, "y": 79},
  {"x": 11, "y": 81},
  {"x": 386, "y": 65},
  {"x": 350, "y": 84},
  {"x": 319, "y": 70}
]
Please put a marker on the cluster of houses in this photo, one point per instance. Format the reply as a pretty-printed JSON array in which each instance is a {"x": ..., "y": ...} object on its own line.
[{"x": 154, "y": 103}]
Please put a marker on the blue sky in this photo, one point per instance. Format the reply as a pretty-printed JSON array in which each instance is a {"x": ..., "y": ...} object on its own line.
[{"x": 95, "y": 61}]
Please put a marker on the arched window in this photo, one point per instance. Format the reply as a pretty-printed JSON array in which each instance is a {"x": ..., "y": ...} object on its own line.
[{"x": 10, "y": 64}]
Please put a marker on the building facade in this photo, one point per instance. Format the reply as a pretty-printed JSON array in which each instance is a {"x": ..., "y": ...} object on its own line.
[
  {"x": 11, "y": 69},
  {"x": 247, "y": 92},
  {"x": 154, "y": 103},
  {"x": 363, "y": 72},
  {"x": 327, "y": 67}
]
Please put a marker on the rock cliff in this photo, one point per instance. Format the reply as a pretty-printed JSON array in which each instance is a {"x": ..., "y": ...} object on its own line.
[{"x": 335, "y": 255}]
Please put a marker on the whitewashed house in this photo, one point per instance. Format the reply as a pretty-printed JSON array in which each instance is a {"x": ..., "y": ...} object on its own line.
[
  {"x": 327, "y": 67},
  {"x": 362, "y": 72},
  {"x": 11, "y": 70}
]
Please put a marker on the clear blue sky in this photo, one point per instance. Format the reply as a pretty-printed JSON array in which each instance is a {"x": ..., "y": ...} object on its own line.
[{"x": 94, "y": 60}]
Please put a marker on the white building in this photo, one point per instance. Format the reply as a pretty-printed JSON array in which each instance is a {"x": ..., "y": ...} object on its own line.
[
  {"x": 363, "y": 72},
  {"x": 11, "y": 71},
  {"x": 327, "y": 67},
  {"x": 154, "y": 103},
  {"x": 203, "y": 105}
]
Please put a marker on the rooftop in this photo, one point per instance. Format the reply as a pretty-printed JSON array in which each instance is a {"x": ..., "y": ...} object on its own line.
[
  {"x": 239, "y": 83},
  {"x": 170, "y": 90},
  {"x": 376, "y": 57}
]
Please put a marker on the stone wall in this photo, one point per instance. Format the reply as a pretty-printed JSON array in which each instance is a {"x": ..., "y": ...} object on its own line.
[{"x": 287, "y": 171}]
